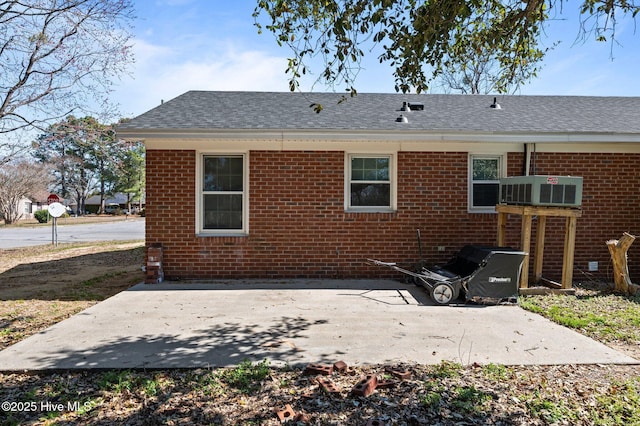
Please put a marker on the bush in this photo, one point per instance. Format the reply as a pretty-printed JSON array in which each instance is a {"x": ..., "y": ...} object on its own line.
[{"x": 41, "y": 215}]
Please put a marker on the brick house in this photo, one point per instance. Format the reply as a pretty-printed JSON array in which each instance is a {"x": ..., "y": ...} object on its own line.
[{"x": 256, "y": 184}]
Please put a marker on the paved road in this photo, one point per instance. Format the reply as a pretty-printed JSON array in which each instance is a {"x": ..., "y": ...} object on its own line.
[{"x": 130, "y": 229}]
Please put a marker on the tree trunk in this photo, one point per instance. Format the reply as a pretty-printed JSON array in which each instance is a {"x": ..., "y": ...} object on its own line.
[
  {"x": 618, "y": 250},
  {"x": 102, "y": 187}
]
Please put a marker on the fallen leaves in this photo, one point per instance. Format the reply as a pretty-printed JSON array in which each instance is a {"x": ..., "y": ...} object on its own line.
[{"x": 446, "y": 394}]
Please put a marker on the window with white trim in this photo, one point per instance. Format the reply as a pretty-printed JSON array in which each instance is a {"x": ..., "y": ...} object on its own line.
[
  {"x": 369, "y": 182},
  {"x": 223, "y": 194},
  {"x": 484, "y": 182}
]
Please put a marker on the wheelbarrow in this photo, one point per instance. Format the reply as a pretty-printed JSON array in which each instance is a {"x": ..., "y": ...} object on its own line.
[{"x": 488, "y": 275}]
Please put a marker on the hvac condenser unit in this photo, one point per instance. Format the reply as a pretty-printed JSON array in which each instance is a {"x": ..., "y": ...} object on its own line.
[{"x": 561, "y": 191}]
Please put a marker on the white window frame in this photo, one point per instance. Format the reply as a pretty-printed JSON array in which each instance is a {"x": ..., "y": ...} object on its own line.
[
  {"x": 200, "y": 195},
  {"x": 393, "y": 182},
  {"x": 502, "y": 167}
]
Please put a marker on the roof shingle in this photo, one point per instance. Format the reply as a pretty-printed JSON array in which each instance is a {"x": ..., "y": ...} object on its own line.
[{"x": 211, "y": 111}]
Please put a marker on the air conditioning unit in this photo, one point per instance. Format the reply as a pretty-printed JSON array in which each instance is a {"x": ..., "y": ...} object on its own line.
[{"x": 561, "y": 191}]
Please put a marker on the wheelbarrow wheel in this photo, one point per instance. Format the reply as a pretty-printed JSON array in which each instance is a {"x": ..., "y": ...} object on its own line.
[{"x": 443, "y": 293}]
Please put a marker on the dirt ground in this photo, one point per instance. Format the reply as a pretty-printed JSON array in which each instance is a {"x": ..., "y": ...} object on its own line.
[{"x": 42, "y": 285}]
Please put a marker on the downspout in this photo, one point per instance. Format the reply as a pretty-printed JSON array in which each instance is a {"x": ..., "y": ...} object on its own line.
[
  {"x": 533, "y": 159},
  {"x": 529, "y": 158}
]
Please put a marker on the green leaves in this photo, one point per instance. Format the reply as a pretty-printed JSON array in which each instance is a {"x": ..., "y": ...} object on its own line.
[{"x": 473, "y": 46}]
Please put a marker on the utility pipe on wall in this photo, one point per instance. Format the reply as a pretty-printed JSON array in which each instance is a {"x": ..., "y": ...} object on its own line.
[{"x": 529, "y": 152}]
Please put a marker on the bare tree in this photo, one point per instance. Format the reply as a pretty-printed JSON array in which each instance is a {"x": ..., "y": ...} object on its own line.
[
  {"x": 58, "y": 56},
  {"x": 19, "y": 180},
  {"x": 12, "y": 145},
  {"x": 478, "y": 69}
]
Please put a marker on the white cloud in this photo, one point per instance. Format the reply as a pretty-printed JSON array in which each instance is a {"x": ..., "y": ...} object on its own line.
[
  {"x": 158, "y": 78},
  {"x": 146, "y": 53}
]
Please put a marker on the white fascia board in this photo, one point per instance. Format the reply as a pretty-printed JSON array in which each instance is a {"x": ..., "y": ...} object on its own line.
[
  {"x": 362, "y": 146},
  {"x": 338, "y": 140}
]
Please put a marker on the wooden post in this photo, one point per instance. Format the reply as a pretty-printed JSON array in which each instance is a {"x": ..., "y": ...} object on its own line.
[
  {"x": 539, "y": 255},
  {"x": 569, "y": 249},
  {"x": 502, "y": 229},
  {"x": 525, "y": 246},
  {"x": 527, "y": 212}
]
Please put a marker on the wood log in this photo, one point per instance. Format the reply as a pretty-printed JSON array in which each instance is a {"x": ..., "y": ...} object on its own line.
[{"x": 618, "y": 250}]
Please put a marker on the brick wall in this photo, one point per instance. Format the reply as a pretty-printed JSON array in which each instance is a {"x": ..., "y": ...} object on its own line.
[{"x": 298, "y": 226}]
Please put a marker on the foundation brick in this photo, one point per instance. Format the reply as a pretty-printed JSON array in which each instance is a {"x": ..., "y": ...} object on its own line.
[
  {"x": 322, "y": 369},
  {"x": 386, "y": 384},
  {"x": 400, "y": 373},
  {"x": 327, "y": 385},
  {"x": 366, "y": 386},
  {"x": 341, "y": 366},
  {"x": 286, "y": 413}
]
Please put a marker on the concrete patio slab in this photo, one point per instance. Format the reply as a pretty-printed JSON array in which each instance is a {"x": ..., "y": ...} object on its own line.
[{"x": 294, "y": 322}]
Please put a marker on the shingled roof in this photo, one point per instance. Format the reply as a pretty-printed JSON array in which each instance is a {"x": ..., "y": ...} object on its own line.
[{"x": 207, "y": 111}]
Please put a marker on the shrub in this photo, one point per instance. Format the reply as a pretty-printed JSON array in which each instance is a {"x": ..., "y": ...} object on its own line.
[{"x": 42, "y": 216}]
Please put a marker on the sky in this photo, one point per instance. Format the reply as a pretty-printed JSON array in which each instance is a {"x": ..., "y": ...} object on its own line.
[{"x": 183, "y": 45}]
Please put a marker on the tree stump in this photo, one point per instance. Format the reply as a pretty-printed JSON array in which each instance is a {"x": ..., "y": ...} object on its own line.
[{"x": 618, "y": 250}]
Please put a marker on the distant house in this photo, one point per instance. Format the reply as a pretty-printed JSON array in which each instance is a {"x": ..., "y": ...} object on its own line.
[
  {"x": 92, "y": 204},
  {"x": 254, "y": 184},
  {"x": 29, "y": 205}
]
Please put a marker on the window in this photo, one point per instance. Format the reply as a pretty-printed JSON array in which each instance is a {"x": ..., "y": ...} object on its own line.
[
  {"x": 484, "y": 176},
  {"x": 369, "y": 183},
  {"x": 223, "y": 205}
]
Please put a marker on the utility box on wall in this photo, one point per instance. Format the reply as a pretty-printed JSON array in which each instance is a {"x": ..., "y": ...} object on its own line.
[{"x": 561, "y": 191}]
